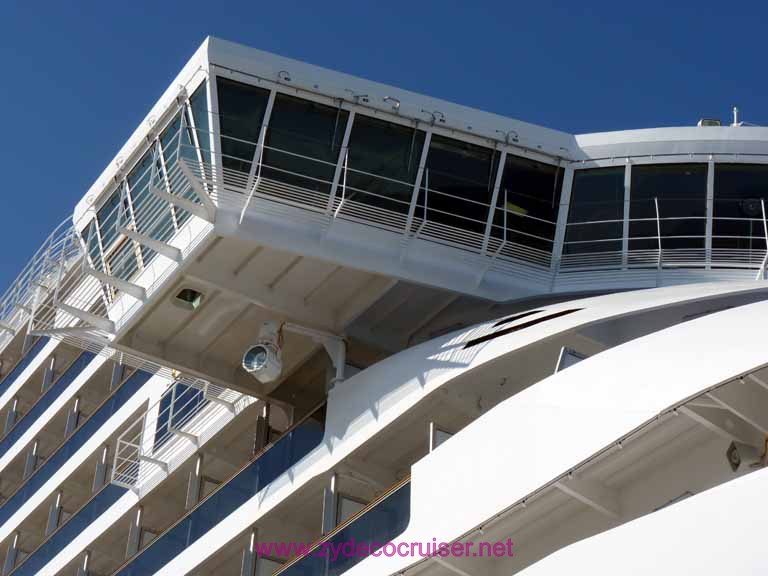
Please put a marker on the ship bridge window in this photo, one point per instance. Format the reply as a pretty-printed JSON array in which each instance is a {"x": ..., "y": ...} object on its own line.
[
  {"x": 383, "y": 163},
  {"x": 740, "y": 191},
  {"x": 303, "y": 143},
  {"x": 596, "y": 213},
  {"x": 681, "y": 192},
  {"x": 241, "y": 113},
  {"x": 530, "y": 193},
  {"x": 456, "y": 189}
]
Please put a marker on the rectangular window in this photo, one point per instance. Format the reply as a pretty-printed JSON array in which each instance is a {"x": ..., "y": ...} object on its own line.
[
  {"x": 460, "y": 178},
  {"x": 383, "y": 163},
  {"x": 681, "y": 192},
  {"x": 740, "y": 191},
  {"x": 303, "y": 143},
  {"x": 241, "y": 113},
  {"x": 529, "y": 197},
  {"x": 596, "y": 211}
]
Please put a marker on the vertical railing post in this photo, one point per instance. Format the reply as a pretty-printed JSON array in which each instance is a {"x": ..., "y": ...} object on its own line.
[
  {"x": 417, "y": 184},
  {"x": 494, "y": 201},
  {"x": 343, "y": 185},
  {"x": 761, "y": 272},
  {"x": 627, "y": 214},
  {"x": 561, "y": 228},
  {"x": 658, "y": 231},
  {"x": 341, "y": 163},
  {"x": 709, "y": 214}
]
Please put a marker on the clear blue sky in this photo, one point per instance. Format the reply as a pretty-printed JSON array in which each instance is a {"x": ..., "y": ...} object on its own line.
[{"x": 79, "y": 76}]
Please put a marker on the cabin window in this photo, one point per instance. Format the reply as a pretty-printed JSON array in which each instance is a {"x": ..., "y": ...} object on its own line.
[
  {"x": 530, "y": 193},
  {"x": 459, "y": 178},
  {"x": 596, "y": 211},
  {"x": 740, "y": 191},
  {"x": 383, "y": 163},
  {"x": 303, "y": 143},
  {"x": 241, "y": 114},
  {"x": 681, "y": 192}
]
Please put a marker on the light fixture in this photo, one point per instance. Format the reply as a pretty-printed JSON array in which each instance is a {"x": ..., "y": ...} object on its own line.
[
  {"x": 264, "y": 360},
  {"x": 190, "y": 298},
  {"x": 739, "y": 453}
]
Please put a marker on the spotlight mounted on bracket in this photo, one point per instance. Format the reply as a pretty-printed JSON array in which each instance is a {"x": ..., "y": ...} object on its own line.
[
  {"x": 264, "y": 359},
  {"x": 739, "y": 453}
]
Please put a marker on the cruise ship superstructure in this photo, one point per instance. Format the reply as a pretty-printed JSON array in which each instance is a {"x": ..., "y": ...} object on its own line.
[{"x": 303, "y": 308}]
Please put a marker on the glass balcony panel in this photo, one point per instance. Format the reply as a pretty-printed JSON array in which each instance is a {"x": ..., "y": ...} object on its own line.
[
  {"x": 273, "y": 462},
  {"x": 45, "y": 400},
  {"x": 22, "y": 364},
  {"x": 71, "y": 445},
  {"x": 381, "y": 523},
  {"x": 68, "y": 531}
]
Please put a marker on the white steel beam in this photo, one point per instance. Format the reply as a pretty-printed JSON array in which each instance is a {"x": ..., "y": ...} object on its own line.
[
  {"x": 158, "y": 246},
  {"x": 99, "y": 322},
  {"x": 725, "y": 424},
  {"x": 129, "y": 288},
  {"x": 595, "y": 495},
  {"x": 210, "y": 207},
  {"x": 183, "y": 203}
]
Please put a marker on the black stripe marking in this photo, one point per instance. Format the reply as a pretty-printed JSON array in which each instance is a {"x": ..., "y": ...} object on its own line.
[{"x": 511, "y": 329}]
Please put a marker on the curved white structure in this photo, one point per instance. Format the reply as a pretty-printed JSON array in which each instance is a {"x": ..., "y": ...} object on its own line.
[{"x": 524, "y": 348}]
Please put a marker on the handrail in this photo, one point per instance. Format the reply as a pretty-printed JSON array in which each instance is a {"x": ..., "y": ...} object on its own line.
[
  {"x": 66, "y": 439},
  {"x": 224, "y": 483},
  {"x": 342, "y": 525}
]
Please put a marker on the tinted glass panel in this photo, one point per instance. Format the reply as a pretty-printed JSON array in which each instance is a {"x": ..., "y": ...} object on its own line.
[
  {"x": 291, "y": 448},
  {"x": 199, "y": 104},
  {"x": 681, "y": 191},
  {"x": 382, "y": 523},
  {"x": 241, "y": 113},
  {"x": 383, "y": 163},
  {"x": 22, "y": 364},
  {"x": 177, "y": 407},
  {"x": 596, "y": 213},
  {"x": 45, "y": 400},
  {"x": 299, "y": 130},
  {"x": 65, "y": 451},
  {"x": 460, "y": 181},
  {"x": 68, "y": 531},
  {"x": 740, "y": 190},
  {"x": 531, "y": 191}
]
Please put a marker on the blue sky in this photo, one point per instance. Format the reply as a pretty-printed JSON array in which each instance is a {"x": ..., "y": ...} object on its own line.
[{"x": 79, "y": 76}]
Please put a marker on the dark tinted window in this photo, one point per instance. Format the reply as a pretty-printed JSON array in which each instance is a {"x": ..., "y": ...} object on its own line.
[
  {"x": 681, "y": 191},
  {"x": 303, "y": 143},
  {"x": 460, "y": 177},
  {"x": 383, "y": 163},
  {"x": 596, "y": 212},
  {"x": 530, "y": 191},
  {"x": 241, "y": 113},
  {"x": 740, "y": 190}
]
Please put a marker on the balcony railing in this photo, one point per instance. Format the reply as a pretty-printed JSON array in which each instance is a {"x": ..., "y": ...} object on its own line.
[
  {"x": 171, "y": 430},
  {"x": 69, "y": 446},
  {"x": 68, "y": 531},
  {"x": 22, "y": 364},
  {"x": 47, "y": 398},
  {"x": 380, "y": 522},
  {"x": 264, "y": 468}
]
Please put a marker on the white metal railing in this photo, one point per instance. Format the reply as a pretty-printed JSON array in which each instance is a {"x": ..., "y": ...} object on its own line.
[
  {"x": 180, "y": 181},
  {"x": 184, "y": 418}
]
